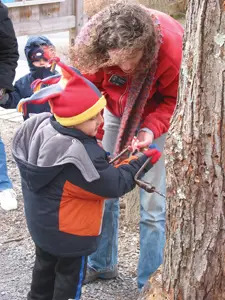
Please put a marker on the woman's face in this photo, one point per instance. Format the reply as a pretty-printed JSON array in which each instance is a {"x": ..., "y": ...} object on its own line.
[{"x": 125, "y": 60}]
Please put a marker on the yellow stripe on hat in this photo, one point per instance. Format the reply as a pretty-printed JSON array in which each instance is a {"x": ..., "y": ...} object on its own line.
[{"x": 86, "y": 115}]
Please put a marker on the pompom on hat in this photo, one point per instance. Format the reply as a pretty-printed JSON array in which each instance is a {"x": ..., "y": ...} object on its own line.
[{"x": 73, "y": 99}]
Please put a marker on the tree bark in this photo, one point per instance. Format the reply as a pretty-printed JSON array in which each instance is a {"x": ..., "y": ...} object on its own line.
[{"x": 194, "y": 258}]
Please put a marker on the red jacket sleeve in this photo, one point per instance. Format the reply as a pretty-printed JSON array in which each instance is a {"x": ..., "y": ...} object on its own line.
[
  {"x": 162, "y": 99},
  {"x": 158, "y": 119}
]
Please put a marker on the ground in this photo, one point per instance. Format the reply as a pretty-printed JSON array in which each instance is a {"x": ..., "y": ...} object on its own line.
[{"x": 17, "y": 252}]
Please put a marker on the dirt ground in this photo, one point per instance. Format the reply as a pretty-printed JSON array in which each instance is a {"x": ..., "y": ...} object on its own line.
[{"x": 17, "y": 252}]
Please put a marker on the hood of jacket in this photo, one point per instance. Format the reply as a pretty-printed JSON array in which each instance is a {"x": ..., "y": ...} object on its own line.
[
  {"x": 41, "y": 152},
  {"x": 32, "y": 43}
]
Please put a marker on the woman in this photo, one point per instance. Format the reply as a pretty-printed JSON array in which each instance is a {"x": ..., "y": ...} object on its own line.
[{"x": 133, "y": 55}]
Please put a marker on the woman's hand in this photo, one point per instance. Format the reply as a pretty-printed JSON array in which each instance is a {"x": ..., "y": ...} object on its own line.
[
  {"x": 145, "y": 139},
  {"x": 133, "y": 147}
]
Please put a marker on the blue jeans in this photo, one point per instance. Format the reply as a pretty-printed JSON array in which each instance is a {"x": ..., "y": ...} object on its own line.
[
  {"x": 5, "y": 182},
  {"x": 152, "y": 212}
]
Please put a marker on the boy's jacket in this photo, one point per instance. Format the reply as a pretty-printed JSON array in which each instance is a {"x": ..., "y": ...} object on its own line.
[{"x": 65, "y": 179}]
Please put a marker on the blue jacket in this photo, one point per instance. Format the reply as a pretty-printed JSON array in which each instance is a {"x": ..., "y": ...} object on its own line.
[
  {"x": 66, "y": 178},
  {"x": 23, "y": 85}
]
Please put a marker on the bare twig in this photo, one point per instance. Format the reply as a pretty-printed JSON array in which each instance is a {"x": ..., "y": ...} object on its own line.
[{"x": 14, "y": 240}]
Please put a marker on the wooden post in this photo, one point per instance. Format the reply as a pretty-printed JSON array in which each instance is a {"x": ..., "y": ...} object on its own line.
[
  {"x": 43, "y": 16},
  {"x": 78, "y": 11},
  {"x": 79, "y": 15},
  {"x": 32, "y": 17}
]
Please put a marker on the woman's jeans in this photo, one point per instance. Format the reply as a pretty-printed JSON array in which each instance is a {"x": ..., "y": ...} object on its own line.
[
  {"x": 152, "y": 212},
  {"x": 5, "y": 182}
]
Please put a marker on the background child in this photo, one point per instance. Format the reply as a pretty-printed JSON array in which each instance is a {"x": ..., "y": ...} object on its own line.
[
  {"x": 35, "y": 50},
  {"x": 66, "y": 177}
]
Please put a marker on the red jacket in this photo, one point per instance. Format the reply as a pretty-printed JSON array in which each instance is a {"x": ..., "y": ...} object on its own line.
[{"x": 162, "y": 96}]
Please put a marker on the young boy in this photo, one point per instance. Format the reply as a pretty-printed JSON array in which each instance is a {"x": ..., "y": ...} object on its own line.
[
  {"x": 35, "y": 49},
  {"x": 66, "y": 177}
]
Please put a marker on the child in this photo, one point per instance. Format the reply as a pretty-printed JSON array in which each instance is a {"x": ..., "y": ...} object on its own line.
[
  {"x": 66, "y": 177},
  {"x": 35, "y": 48}
]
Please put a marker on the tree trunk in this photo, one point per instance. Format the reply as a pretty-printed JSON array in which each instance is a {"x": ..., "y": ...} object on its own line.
[{"x": 194, "y": 258}]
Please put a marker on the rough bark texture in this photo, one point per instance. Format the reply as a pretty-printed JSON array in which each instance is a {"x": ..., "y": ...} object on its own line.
[{"x": 194, "y": 261}]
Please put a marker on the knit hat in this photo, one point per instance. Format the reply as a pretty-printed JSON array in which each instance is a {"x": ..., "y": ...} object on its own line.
[{"x": 73, "y": 99}]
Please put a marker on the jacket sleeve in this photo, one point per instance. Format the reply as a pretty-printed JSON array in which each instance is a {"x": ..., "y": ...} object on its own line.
[
  {"x": 8, "y": 54},
  {"x": 113, "y": 182},
  {"x": 158, "y": 121}
]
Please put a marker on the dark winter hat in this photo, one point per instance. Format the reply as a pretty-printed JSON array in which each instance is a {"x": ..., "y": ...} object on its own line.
[{"x": 37, "y": 45}]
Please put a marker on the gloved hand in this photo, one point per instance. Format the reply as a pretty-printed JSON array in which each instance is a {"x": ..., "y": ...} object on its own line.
[
  {"x": 3, "y": 97},
  {"x": 153, "y": 153},
  {"x": 2, "y": 92}
]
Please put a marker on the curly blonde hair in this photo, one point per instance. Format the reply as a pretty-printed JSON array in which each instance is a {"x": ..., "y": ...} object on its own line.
[{"x": 122, "y": 26}]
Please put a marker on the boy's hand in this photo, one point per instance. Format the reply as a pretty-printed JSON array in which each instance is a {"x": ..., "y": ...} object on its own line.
[
  {"x": 3, "y": 97},
  {"x": 153, "y": 153},
  {"x": 2, "y": 93}
]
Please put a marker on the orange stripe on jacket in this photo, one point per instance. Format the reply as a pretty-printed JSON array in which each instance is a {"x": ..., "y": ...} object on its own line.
[
  {"x": 126, "y": 161},
  {"x": 80, "y": 211}
]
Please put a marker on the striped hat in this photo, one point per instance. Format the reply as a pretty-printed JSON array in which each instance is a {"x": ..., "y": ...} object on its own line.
[{"x": 73, "y": 99}]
